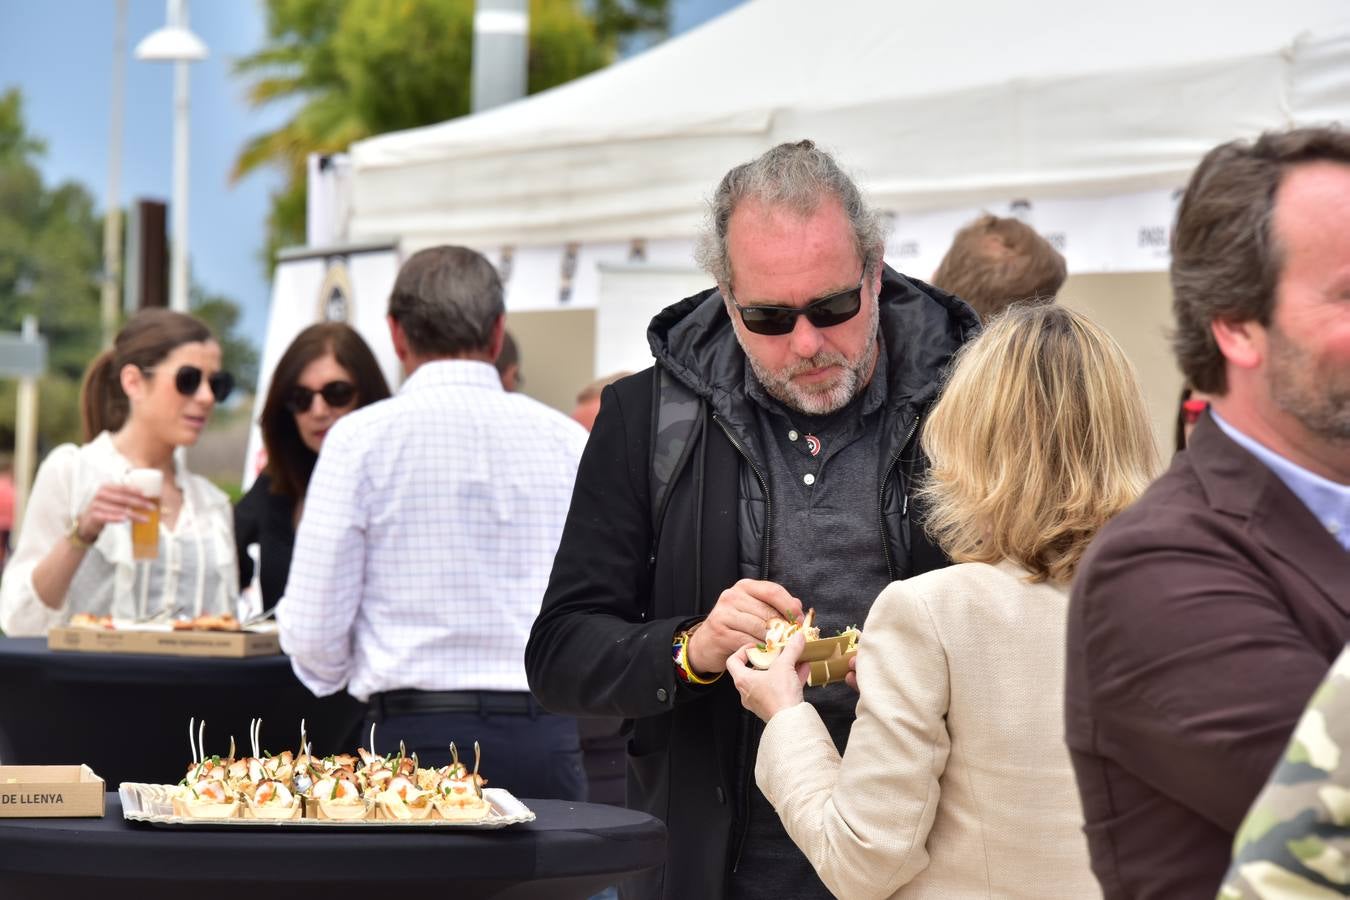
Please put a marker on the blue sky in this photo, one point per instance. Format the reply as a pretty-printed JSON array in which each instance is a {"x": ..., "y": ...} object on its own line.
[{"x": 60, "y": 54}]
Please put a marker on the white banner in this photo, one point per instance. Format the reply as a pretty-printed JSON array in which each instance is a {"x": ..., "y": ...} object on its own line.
[
  {"x": 567, "y": 276},
  {"x": 1122, "y": 233}
]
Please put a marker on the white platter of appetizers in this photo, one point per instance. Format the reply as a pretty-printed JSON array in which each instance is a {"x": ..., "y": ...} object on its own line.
[
  {"x": 302, "y": 790},
  {"x": 153, "y": 803}
]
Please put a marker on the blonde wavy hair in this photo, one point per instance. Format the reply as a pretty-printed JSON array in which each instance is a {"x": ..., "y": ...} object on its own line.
[{"x": 1040, "y": 436}]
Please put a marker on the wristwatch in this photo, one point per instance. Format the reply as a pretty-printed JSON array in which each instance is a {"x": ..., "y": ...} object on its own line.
[{"x": 73, "y": 535}]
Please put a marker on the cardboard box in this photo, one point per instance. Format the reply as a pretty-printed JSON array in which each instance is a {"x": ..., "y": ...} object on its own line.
[
  {"x": 50, "y": 792},
  {"x": 226, "y": 644}
]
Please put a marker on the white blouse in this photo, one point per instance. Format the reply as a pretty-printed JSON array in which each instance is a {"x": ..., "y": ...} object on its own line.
[{"x": 196, "y": 571}]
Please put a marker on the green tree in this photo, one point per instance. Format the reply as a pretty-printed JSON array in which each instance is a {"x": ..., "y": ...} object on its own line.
[
  {"x": 363, "y": 67},
  {"x": 50, "y": 258},
  {"x": 50, "y": 252},
  {"x": 238, "y": 355}
]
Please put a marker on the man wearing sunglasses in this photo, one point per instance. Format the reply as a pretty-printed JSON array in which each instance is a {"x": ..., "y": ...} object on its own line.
[{"x": 764, "y": 465}]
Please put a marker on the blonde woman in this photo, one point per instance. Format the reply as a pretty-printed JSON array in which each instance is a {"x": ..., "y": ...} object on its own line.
[
  {"x": 956, "y": 782},
  {"x": 151, "y": 393}
]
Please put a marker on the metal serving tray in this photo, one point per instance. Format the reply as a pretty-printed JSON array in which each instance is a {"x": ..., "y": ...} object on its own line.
[{"x": 153, "y": 804}]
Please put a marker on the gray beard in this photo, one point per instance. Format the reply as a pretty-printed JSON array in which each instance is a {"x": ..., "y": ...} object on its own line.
[
  {"x": 1318, "y": 399},
  {"x": 829, "y": 399}
]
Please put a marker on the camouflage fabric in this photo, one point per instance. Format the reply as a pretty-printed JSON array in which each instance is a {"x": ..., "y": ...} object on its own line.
[
  {"x": 1295, "y": 841},
  {"x": 677, "y": 412}
]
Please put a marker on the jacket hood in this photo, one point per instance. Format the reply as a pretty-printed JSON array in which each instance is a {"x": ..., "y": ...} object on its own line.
[{"x": 921, "y": 327}]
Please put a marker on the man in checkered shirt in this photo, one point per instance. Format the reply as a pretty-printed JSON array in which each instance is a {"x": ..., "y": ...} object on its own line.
[{"x": 427, "y": 536}]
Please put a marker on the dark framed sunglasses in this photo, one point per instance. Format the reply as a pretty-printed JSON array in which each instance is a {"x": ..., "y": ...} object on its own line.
[
  {"x": 188, "y": 378},
  {"x": 826, "y": 312},
  {"x": 336, "y": 394}
]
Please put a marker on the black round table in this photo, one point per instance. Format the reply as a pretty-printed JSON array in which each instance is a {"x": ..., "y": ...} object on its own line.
[
  {"x": 571, "y": 850},
  {"x": 126, "y": 715}
]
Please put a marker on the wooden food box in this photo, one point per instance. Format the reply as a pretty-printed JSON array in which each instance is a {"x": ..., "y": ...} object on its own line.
[
  {"x": 50, "y": 792},
  {"x": 226, "y": 644}
]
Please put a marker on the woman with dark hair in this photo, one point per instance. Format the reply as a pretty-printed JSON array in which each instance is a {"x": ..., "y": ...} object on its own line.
[
  {"x": 326, "y": 372},
  {"x": 152, "y": 393}
]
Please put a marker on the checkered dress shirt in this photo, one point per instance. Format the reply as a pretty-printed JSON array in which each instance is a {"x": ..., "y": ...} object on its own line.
[{"x": 427, "y": 538}]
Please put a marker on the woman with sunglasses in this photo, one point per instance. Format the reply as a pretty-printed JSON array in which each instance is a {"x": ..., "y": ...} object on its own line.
[
  {"x": 956, "y": 782},
  {"x": 152, "y": 393},
  {"x": 326, "y": 372}
]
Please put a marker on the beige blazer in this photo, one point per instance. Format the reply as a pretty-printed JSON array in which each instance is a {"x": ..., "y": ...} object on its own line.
[{"x": 956, "y": 782}]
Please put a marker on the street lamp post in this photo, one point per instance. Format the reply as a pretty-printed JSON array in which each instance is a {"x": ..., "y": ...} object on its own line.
[{"x": 175, "y": 43}]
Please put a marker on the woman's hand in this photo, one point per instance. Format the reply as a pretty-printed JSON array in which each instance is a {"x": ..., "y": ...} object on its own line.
[
  {"x": 112, "y": 503},
  {"x": 770, "y": 692}
]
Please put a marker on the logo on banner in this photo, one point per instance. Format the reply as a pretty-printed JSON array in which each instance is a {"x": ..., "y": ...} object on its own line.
[
  {"x": 907, "y": 250},
  {"x": 1153, "y": 237},
  {"x": 335, "y": 295},
  {"x": 569, "y": 271}
]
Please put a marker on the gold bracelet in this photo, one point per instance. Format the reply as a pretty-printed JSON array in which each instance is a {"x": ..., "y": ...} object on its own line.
[
  {"x": 73, "y": 535},
  {"x": 694, "y": 677}
]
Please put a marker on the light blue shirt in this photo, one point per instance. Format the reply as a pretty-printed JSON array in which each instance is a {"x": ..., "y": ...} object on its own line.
[{"x": 1327, "y": 500}]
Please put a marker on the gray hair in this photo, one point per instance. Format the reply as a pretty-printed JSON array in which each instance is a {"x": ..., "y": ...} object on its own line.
[
  {"x": 795, "y": 176},
  {"x": 446, "y": 300}
]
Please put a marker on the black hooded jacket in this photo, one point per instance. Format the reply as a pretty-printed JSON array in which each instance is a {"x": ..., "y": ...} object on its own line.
[{"x": 671, "y": 508}]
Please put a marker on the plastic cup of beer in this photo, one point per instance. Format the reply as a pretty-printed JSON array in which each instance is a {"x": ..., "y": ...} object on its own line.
[{"x": 145, "y": 535}]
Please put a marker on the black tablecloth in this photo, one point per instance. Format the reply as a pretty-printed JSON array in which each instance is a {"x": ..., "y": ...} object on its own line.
[
  {"x": 127, "y": 715},
  {"x": 571, "y": 850}
]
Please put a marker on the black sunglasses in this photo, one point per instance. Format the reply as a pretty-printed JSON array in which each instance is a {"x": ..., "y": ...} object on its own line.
[
  {"x": 823, "y": 313},
  {"x": 188, "y": 378},
  {"x": 336, "y": 394}
]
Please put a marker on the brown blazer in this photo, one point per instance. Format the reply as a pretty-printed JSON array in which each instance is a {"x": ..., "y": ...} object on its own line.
[{"x": 1201, "y": 621}]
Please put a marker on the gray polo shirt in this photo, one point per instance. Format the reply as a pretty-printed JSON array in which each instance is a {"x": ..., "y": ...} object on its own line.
[{"x": 826, "y": 549}]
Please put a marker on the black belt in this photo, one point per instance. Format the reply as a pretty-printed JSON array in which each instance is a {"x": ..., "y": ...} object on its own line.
[{"x": 405, "y": 703}]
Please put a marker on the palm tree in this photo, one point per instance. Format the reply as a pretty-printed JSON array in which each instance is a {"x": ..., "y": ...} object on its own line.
[{"x": 356, "y": 68}]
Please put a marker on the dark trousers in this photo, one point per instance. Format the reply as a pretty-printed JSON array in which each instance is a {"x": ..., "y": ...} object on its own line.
[{"x": 532, "y": 754}]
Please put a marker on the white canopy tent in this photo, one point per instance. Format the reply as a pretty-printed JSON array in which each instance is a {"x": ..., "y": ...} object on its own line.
[
  {"x": 1083, "y": 119},
  {"x": 934, "y": 106}
]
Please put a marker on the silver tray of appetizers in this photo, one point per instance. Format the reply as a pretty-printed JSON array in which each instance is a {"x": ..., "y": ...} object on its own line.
[
  {"x": 154, "y": 804},
  {"x": 300, "y": 790}
]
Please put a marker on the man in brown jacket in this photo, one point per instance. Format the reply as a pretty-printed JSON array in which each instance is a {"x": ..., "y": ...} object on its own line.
[{"x": 1204, "y": 617}]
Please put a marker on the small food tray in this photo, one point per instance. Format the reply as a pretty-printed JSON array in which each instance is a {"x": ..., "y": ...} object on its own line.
[
  {"x": 153, "y": 804},
  {"x": 826, "y": 648},
  {"x": 829, "y": 657},
  {"x": 161, "y": 639},
  {"x": 50, "y": 791}
]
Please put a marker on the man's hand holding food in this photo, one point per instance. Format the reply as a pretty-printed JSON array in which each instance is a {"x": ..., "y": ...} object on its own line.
[{"x": 740, "y": 618}]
